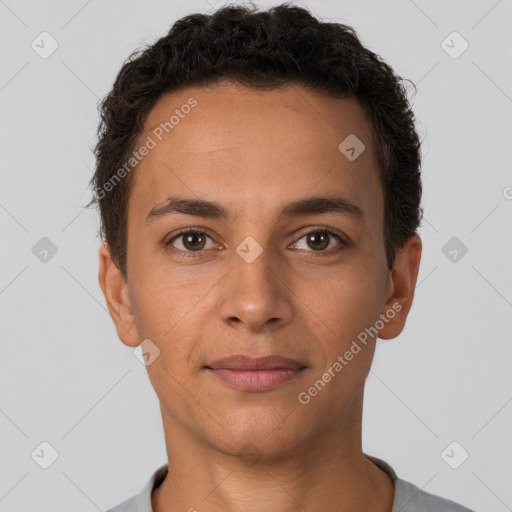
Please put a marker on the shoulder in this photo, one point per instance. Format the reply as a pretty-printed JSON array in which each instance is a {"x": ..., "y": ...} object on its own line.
[
  {"x": 409, "y": 498},
  {"x": 142, "y": 502}
]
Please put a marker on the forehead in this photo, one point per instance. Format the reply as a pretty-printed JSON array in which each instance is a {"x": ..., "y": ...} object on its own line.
[
  {"x": 230, "y": 109},
  {"x": 245, "y": 147}
]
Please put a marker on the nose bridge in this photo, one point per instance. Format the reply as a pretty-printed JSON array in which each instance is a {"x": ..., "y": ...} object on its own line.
[
  {"x": 254, "y": 263},
  {"x": 255, "y": 267}
]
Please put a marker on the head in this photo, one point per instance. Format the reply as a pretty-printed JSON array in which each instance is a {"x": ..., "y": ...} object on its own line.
[{"x": 291, "y": 150}]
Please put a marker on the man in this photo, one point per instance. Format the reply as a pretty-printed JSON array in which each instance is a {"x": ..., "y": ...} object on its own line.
[{"x": 258, "y": 179}]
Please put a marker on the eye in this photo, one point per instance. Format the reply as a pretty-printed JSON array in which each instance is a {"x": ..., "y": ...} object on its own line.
[
  {"x": 320, "y": 239},
  {"x": 192, "y": 240}
]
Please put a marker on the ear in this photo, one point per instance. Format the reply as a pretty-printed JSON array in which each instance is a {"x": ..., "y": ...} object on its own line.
[
  {"x": 115, "y": 290},
  {"x": 401, "y": 286}
]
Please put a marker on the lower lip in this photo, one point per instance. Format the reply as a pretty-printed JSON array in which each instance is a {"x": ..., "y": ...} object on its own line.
[{"x": 255, "y": 380}]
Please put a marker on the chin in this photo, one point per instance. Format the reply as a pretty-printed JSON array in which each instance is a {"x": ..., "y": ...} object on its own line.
[{"x": 256, "y": 432}]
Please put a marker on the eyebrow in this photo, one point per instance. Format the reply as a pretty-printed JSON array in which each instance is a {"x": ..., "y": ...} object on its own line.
[{"x": 214, "y": 210}]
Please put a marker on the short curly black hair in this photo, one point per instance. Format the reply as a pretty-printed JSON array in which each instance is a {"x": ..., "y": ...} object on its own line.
[{"x": 262, "y": 50}]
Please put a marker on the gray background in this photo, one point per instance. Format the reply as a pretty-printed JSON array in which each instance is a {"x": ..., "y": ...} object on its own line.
[{"x": 66, "y": 379}]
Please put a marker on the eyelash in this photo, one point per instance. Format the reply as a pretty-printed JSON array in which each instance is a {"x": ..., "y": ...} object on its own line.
[{"x": 202, "y": 231}]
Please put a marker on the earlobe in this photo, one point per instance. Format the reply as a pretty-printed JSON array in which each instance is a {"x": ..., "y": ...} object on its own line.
[
  {"x": 403, "y": 279},
  {"x": 115, "y": 291}
]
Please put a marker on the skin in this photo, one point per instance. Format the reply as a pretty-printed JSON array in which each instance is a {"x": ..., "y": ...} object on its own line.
[{"x": 254, "y": 152}]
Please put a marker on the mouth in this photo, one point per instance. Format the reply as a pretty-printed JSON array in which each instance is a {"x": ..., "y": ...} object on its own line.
[{"x": 255, "y": 374}]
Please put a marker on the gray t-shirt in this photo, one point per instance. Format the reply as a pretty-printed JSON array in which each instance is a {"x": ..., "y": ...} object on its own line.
[{"x": 408, "y": 497}]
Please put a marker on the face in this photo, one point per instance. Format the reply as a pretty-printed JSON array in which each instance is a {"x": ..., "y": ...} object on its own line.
[{"x": 264, "y": 278}]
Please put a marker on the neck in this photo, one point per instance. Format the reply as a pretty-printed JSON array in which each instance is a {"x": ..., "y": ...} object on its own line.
[{"x": 329, "y": 472}]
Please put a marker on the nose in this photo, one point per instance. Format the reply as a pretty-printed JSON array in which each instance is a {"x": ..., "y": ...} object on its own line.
[{"x": 255, "y": 293}]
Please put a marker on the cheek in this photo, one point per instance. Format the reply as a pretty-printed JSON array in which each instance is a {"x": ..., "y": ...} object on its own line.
[
  {"x": 344, "y": 301},
  {"x": 157, "y": 306},
  {"x": 173, "y": 317}
]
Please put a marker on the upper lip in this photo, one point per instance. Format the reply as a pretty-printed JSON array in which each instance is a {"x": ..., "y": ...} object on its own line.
[{"x": 240, "y": 362}]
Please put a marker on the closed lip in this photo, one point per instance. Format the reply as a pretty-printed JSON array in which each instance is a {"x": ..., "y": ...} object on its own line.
[{"x": 240, "y": 362}]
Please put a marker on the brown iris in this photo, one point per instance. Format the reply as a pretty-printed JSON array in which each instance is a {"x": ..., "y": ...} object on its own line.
[
  {"x": 192, "y": 239},
  {"x": 318, "y": 237}
]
